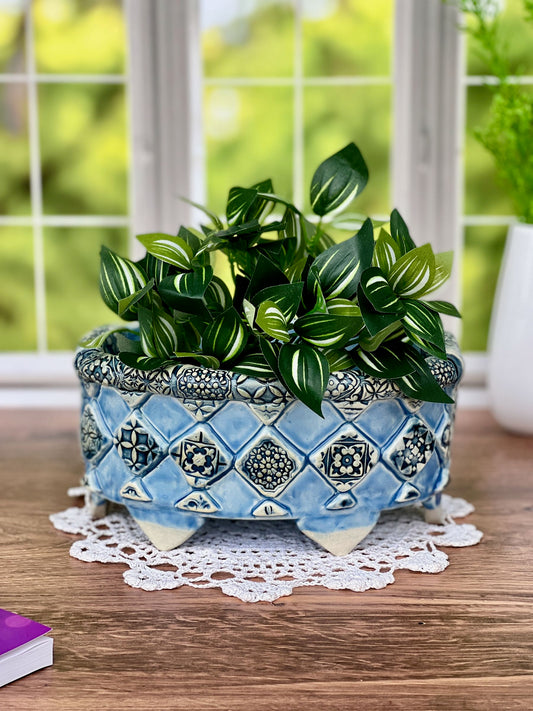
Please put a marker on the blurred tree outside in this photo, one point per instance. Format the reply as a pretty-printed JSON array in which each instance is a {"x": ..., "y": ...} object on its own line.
[{"x": 248, "y": 128}]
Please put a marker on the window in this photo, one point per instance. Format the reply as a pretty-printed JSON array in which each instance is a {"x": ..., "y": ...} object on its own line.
[{"x": 64, "y": 166}]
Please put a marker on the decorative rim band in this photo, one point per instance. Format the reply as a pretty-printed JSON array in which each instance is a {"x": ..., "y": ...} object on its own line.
[{"x": 190, "y": 382}]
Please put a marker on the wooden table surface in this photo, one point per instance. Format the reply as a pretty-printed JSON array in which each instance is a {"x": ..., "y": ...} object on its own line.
[{"x": 461, "y": 639}]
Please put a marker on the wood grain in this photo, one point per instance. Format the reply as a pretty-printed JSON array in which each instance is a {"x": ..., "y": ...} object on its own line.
[{"x": 462, "y": 639}]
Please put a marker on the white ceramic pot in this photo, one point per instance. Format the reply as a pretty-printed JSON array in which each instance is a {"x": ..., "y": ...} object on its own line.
[{"x": 510, "y": 375}]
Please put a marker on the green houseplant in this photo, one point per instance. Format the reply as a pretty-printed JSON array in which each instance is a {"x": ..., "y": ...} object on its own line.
[
  {"x": 508, "y": 136},
  {"x": 321, "y": 370},
  {"x": 300, "y": 307}
]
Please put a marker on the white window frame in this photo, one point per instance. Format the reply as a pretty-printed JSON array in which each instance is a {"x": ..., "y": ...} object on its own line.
[{"x": 164, "y": 86}]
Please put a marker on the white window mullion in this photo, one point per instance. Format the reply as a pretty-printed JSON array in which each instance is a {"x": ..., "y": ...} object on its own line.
[
  {"x": 428, "y": 116},
  {"x": 298, "y": 108},
  {"x": 165, "y": 112},
  {"x": 36, "y": 186}
]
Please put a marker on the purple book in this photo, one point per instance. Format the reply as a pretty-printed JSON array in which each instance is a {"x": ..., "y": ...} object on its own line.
[{"x": 23, "y": 646}]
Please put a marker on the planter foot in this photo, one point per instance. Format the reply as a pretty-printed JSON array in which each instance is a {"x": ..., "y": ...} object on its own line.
[
  {"x": 433, "y": 512},
  {"x": 337, "y": 541},
  {"x": 165, "y": 538},
  {"x": 98, "y": 506}
]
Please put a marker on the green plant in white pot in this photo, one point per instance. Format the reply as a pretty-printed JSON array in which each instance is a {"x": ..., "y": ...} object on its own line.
[{"x": 508, "y": 136}]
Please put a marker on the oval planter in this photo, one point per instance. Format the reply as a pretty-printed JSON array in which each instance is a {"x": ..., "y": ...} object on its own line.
[
  {"x": 510, "y": 376},
  {"x": 179, "y": 445}
]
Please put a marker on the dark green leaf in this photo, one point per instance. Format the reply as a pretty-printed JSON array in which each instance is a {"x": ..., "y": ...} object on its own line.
[
  {"x": 343, "y": 307},
  {"x": 339, "y": 268},
  {"x": 186, "y": 292},
  {"x": 133, "y": 360},
  {"x": 374, "y": 321},
  {"x": 153, "y": 267},
  {"x": 388, "y": 361},
  {"x": 225, "y": 337},
  {"x": 255, "y": 365},
  {"x": 338, "y": 180},
  {"x": 338, "y": 359},
  {"x": 371, "y": 343},
  {"x": 443, "y": 307},
  {"x": 305, "y": 372},
  {"x": 265, "y": 274},
  {"x": 421, "y": 321},
  {"x": 217, "y": 296},
  {"x": 420, "y": 384},
  {"x": 159, "y": 338},
  {"x": 207, "y": 361},
  {"x": 400, "y": 233},
  {"x": 326, "y": 330},
  {"x": 378, "y": 292},
  {"x": 271, "y": 353},
  {"x": 286, "y": 296},
  {"x": 245, "y": 204},
  {"x": 130, "y": 301}
]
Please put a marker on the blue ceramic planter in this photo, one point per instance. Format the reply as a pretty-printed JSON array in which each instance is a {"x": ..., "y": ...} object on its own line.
[{"x": 178, "y": 445}]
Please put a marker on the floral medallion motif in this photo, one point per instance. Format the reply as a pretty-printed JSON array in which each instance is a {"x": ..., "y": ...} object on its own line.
[
  {"x": 347, "y": 461},
  {"x": 203, "y": 384},
  {"x": 345, "y": 385},
  {"x": 136, "y": 446},
  {"x": 444, "y": 371},
  {"x": 268, "y": 466},
  {"x": 413, "y": 450},
  {"x": 200, "y": 460},
  {"x": 92, "y": 438}
]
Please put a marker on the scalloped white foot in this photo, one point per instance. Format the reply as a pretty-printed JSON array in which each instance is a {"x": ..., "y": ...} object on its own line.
[
  {"x": 339, "y": 542},
  {"x": 435, "y": 515},
  {"x": 165, "y": 538}
]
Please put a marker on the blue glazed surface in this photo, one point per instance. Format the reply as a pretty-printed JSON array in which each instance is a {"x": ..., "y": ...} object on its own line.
[{"x": 180, "y": 445}]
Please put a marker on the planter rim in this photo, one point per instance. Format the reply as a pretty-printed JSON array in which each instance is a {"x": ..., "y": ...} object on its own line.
[{"x": 186, "y": 382}]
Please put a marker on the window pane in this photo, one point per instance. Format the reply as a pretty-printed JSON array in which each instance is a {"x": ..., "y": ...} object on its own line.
[
  {"x": 79, "y": 36},
  {"x": 484, "y": 193},
  {"x": 251, "y": 38},
  {"x": 483, "y": 249},
  {"x": 18, "y": 331},
  {"x": 334, "y": 116},
  {"x": 249, "y": 138},
  {"x": 73, "y": 302},
  {"x": 14, "y": 154},
  {"x": 347, "y": 37},
  {"x": 12, "y": 59},
  {"x": 83, "y": 149},
  {"x": 516, "y": 37}
]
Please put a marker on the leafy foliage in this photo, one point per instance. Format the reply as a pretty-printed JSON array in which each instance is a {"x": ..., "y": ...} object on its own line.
[
  {"x": 508, "y": 132},
  {"x": 301, "y": 305}
]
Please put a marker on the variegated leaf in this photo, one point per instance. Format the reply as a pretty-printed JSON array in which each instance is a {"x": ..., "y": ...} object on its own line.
[
  {"x": 338, "y": 359},
  {"x": 400, "y": 233},
  {"x": 96, "y": 339},
  {"x": 421, "y": 321},
  {"x": 208, "y": 361},
  {"x": 119, "y": 278},
  {"x": 371, "y": 343},
  {"x": 388, "y": 361},
  {"x": 225, "y": 337},
  {"x": 420, "y": 383},
  {"x": 343, "y": 307},
  {"x": 326, "y": 330},
  {"x": 443, "y": 307},
  {"x": 443, "y": 270},
  {"x": 134, "y": 360},
  {"x": 254, "y": 364},
  {"x": 338, "y": 180},
  {"x": 270, "y": 319},
  {"x": 414, "y": 272},
  {"x": 374, "y": 321},
  {"x": 271, "y": 353},
  {"x": 249, "y": 312},
  {"x": 386, "y": 252},
  {"x": 186, "y": 291},
  {"x": 168, "y": 248},
  {"x": 305, "y": 372},
  {"x": 129, "y": 301},
  {"x": 339, "y": 268},
  {"x": 379, "y": 293},
  {"x": 217, "y": 296},
  {"x": 159, "y": 338},
  {"x": 286, "y": 296},
  {"x": 212, "y": 216}
]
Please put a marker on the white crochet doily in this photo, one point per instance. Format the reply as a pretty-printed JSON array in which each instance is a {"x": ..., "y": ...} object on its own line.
[{"x": 265, "y": 561}]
